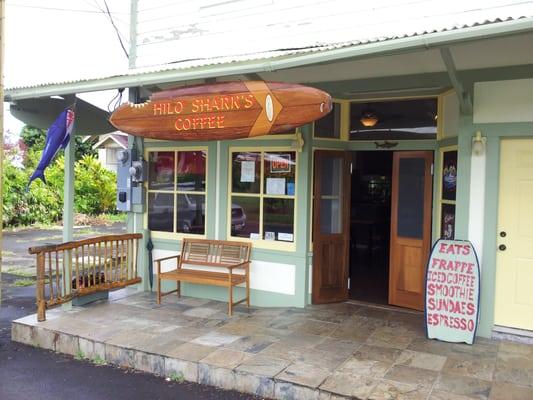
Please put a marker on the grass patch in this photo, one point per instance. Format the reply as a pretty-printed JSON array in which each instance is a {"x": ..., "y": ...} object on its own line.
[
  {"x": 82, "y": 232},
  {"x": 7, "y": 253},
  {"x": 23, "y": 282},
  {"x": 112, "y": 218},
  {"x": 174, "y": 377},
  {"x": 79, "y": 355},
  {"x": 98, "y": 361},
  {"x": 42, "y": 239},
  {"x": 21, "y": 273}
]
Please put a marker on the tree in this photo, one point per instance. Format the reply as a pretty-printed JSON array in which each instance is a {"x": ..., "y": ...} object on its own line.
[{"x": 35, "y": 138}]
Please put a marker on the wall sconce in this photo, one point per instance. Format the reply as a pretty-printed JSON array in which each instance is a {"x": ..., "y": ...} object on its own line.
[
  {"x": 478, "y": 144},
  {"x": 298, "y": 142}
]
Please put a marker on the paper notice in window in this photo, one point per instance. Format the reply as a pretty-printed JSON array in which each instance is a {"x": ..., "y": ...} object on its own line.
[
  {"x": 255, "y": 236},
  {"x": 286, "y": 237},
  {"x": 248, "y": 171},
  {"x": 275, "y": 186},
  {"x": 270, "y": 235}
]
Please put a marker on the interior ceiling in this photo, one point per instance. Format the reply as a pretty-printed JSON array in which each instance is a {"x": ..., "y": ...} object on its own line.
[{"x": 364, "y": 78}]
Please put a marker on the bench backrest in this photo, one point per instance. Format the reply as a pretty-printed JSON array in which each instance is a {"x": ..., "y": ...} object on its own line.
[{"x": 214, "y": 252}]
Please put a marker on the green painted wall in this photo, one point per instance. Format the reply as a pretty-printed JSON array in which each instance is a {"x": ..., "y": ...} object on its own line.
[
  {"x": 302, "y": 257},
  {"x": 494, "y": 134},
  {"x": 218, "y": 165},
  {"x": 258, "y": 298}
]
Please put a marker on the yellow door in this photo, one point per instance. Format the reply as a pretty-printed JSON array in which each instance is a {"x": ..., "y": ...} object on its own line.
[{"x": 514, "y": 261}]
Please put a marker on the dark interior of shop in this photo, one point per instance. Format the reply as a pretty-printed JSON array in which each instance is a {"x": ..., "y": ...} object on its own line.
[{"x": 370, "y": 225}]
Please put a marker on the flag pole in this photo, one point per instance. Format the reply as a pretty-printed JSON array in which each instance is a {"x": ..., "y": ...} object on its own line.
[{"x": 2, "y": 40}]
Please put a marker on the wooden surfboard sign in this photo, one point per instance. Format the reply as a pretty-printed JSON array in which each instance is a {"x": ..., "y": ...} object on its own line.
[{"x": 221, "y": 111}]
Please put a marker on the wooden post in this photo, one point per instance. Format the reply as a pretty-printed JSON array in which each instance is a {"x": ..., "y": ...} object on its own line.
[
  {"x": 41, "y": 302},
  {"x": 68, "y": 212}
]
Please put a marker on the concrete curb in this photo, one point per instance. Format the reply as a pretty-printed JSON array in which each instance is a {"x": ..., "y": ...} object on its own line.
[{"x": 27, "y": 331}]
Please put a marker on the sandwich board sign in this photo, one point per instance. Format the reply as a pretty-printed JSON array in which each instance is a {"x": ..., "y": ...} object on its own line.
[{"x": 452, "y": 292}]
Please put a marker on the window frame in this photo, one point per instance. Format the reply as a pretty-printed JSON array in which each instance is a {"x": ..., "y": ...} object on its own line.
[
  {"x": 262, "y": 243},
  {"x": 175, "y": 192},
  {"x": 344, "y": 128},
  {"x": 440, "y": 201},
  {"x": 112, "y": 150}
]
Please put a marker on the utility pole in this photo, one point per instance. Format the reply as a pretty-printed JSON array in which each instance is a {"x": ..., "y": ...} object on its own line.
[{"x": 2, "y": 59}]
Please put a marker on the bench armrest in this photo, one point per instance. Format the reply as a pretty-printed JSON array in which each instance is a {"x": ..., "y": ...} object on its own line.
[
  {"x": 167, "y": 258},
  {"x": 240, "y": 265},
  {"x": 158, "y": 262}
]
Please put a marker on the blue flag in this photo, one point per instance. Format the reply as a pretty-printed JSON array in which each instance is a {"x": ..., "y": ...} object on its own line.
[{"x": 58, "y": 135}]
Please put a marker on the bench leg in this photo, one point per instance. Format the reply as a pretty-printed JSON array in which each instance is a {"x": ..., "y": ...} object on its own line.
[
  {"x": 178, "y": 284},
  {"x": 230, "y": 303},
  {"x": 158, "y": 289},
  {"x": 248, "y": 288}
]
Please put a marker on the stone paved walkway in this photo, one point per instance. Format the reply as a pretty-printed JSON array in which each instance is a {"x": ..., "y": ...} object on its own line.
[{"x": 328, "y": 352}]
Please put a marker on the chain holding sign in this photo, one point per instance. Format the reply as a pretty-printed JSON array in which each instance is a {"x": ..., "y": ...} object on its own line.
[{"x": 452, "y": 292}]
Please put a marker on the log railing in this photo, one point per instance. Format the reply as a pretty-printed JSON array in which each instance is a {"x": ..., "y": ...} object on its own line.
[{"x": 77, "y": 268}]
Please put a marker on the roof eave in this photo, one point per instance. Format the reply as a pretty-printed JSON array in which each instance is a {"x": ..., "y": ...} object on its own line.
[{"x": 411, "y": 43}]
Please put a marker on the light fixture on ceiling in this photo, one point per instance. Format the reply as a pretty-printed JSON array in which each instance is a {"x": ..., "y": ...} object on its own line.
[
  {"x": 368, "y": 119},
  {"x": 478, "y": 144}
]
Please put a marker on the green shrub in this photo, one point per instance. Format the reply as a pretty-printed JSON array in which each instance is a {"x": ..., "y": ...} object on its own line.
[
  {"x": 95, "y": 190},
  {"x": 95, "y": 187}
]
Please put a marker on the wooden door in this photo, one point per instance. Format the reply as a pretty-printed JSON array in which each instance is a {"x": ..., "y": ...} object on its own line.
[
  {"x": 410, "y": 227},
  {"x": 514, "y": 259},
  {"x": 331, "y": 225}
]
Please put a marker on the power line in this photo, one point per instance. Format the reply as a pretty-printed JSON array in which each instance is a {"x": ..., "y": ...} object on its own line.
[
  {"x": 63, "y": 9},
  {"x": 100, "y": 10},
  {"x": 116, "y": 30}
]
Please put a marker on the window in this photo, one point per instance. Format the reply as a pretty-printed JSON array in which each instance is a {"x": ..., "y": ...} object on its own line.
[
  {"x": 176, "y": 191},
  {"x": 111, "y": 155},
  {"x": 394, "y": 120},
  {"x": 329, "y": 126},
  {"x": 262, "y": 195},
  {"x": 448, "y": 190}
]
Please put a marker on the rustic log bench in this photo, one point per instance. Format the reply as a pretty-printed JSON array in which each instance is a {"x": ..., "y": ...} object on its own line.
[{"x": 219, "y": 260}]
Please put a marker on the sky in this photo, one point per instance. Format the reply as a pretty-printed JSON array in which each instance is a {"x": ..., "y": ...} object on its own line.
[{"x": 62, "y": 40}]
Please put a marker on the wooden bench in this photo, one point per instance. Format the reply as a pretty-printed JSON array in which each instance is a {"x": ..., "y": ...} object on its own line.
[{"x": 216, "y": 254}]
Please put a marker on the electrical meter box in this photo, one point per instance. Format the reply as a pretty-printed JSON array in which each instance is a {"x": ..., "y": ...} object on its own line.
[
  {"x": 124, "y": 180},
  {"x": 131, "y": 174}
]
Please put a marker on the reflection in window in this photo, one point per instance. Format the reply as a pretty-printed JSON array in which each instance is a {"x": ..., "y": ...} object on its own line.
[
  {"x": 191, "y": 171},
  {"x": 190, "y": 213},
  {"x": 160, "y": 211},
  {"x": 329, "y": 126},
  {"x": 245, "y": 217},
  {"x": 394, "y": 120},
  {"x": 161, "y": 170},
  {"x": 178, "y": 208},
  {"x": 278, "y": 219},
  {"x": 263, "y": 209},
  {"x": 246, "y": 172}
]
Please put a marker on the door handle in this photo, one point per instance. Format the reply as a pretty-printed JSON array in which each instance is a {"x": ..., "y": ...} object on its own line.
[
  {"x": 503, "y": 234},
  {"x": 502, "y": 247}
]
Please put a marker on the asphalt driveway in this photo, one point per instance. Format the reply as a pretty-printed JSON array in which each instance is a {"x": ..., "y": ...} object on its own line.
[
  {"x": 16, "y": 259},
  {"x": 32, "y": 373}
]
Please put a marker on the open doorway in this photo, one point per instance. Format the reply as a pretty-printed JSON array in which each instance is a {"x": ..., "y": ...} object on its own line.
[{"x": 370, "y": 225}]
